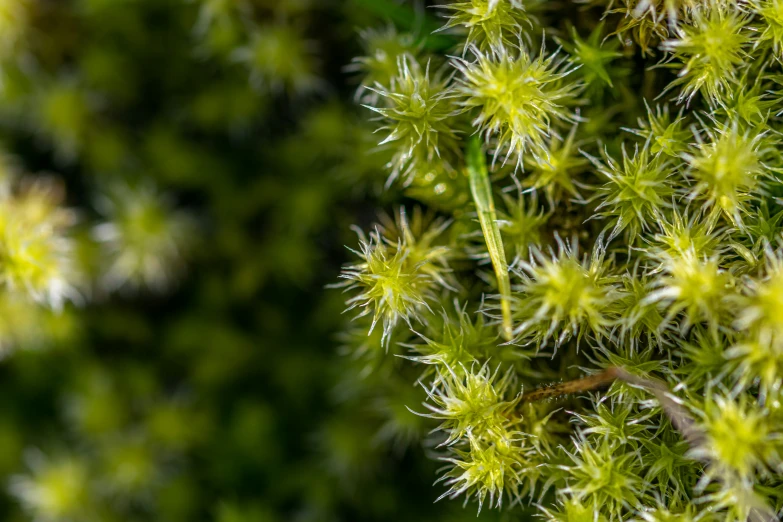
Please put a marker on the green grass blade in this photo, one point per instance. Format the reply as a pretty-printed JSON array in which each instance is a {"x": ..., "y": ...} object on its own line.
[{"x": 482, "y": 196}]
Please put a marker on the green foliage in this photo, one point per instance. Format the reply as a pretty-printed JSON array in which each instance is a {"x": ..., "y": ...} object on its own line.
[
  {"x": 516, "y": 99},
  {"x": 397, "y": 280},
  {"x": 600, "y": 478},
  {"x": 649, "y": 21},
  {"x": 665, "y": 135},
  {"x": 573, "y": 305},
  {"x": 490, "y": 24},
  {"x": 657, "y": 154},
  {"x": 593, "y": 57},
  {"x": 563, "y": 296},
  {"x": 770, "y": 14},
  {"x": 637, "y": 192},
  {"x": 174, "y": 175},
  {"x": 712, "y": 47},
  {"x": 729, "y": 169},
  {"x": 144, "y": 241},
  {"x": 383, "y": 50},
  {"x": 553, "y": 170},
  {"x": 278, "y": 57},
  {"x": 416, "y": 113}
]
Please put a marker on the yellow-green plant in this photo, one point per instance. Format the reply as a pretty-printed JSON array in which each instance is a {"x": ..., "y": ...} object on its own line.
[{"x": 658, "y": 156}]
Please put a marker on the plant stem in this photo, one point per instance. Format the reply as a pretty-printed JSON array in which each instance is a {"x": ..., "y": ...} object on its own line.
[
  {"x": 567, "y": 388},
  {"x": 679, "y": 416},
  {"x": 481, "y": 189}
]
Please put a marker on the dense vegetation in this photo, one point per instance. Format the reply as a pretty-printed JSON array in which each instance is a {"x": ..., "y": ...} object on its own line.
[
  {"x": 588, "y": 288},
  {"x": 564, "y": 273},
  {"x": 178, "y": 189}
]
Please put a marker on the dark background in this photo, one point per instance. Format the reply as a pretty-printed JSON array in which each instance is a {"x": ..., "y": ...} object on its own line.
[{"x": 225, "y": 398}]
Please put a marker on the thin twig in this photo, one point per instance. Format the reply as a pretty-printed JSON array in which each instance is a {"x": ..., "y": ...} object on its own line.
[
  {"x": 680, "y": 417},
  {"x": 567, "y": 388}
]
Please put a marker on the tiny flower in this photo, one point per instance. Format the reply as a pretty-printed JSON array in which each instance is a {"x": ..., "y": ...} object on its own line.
[
  {"x": 637, "y": 192},
  {"x": 383, "y": 51},
  {"x": 144, "y": 240},
  {"x": 396, "y": 280},
  {"x": 491, "y": 24},
  {"x": 695, "y": 288},
  {"x": 614, "y": 421},
  {"x": 36, "y": 250},
  {"x": 713, "y": 47},
  {"x": 738, "y": 438},
  {"x": 762, "y": 306},
  {"x": 757, "y": 362},
  {"x": 452, "y": 342},
  {"x": 54, "y": 488},
  {"x": 728, "y": 169},
  {"x": 561, "y": 296},
  {"x": 472, "y": 401},
  {"x": 554, "y": 169},
  {"x": 279, "y": 58},
  {"x": 681, "y": 233},
  {"x": 487, "y": 471},
  {"x": 603, "y": 476},
  {"x": 770, "y": 28},
  {"x": 38, "y": 264},
  {"x": 516, "y": 98},
  {"x": 664, "y": 135},
  {"x": 417, "y": 113},
  {"x": 422, "y": 234},
  {"x": 390, "y": 287},
  {"x": 759, "y": 354}
]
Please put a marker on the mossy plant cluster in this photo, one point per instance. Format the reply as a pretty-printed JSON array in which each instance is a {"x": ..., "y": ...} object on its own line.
[
  {"x": 593, "y": 191},
  {"x": 171, "y": 176}
]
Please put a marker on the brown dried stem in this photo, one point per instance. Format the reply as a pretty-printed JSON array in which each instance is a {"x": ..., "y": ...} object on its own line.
[{"x": 680, "y": 417}]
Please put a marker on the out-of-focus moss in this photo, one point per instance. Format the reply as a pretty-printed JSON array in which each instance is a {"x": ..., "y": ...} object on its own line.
[{"x": 217, "y": 396}]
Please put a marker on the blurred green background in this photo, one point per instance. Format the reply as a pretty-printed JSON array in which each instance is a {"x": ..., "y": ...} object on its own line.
[{"x": 225, "y": 397}]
